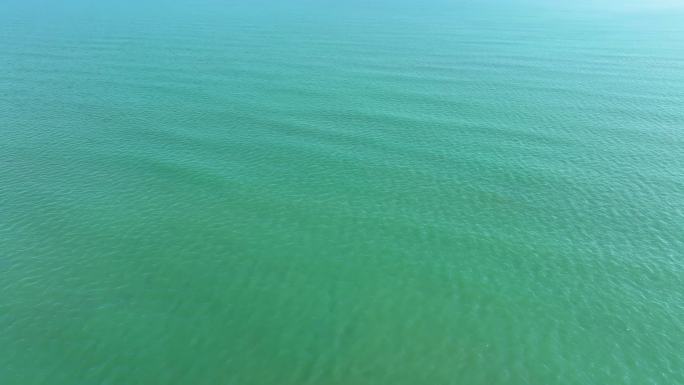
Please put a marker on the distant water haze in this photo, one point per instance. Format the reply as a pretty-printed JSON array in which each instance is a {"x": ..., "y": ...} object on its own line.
[{"x": 341, "y": 192}]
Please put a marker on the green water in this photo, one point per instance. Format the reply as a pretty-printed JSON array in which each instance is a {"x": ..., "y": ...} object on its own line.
[{"x": 300, "y": 192}]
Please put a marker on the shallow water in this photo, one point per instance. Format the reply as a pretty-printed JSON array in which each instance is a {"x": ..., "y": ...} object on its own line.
[{"x": 304, "y": 192}]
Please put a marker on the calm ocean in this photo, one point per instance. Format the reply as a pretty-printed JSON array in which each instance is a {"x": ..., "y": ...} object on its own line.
[{"x": 341, "y": 192}]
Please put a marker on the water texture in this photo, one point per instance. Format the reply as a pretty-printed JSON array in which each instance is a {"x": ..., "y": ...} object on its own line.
[{"x": 324, "y": 192}]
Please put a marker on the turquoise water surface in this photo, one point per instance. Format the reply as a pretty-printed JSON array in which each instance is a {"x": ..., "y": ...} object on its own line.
[{"x": 326, "y": 192}]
